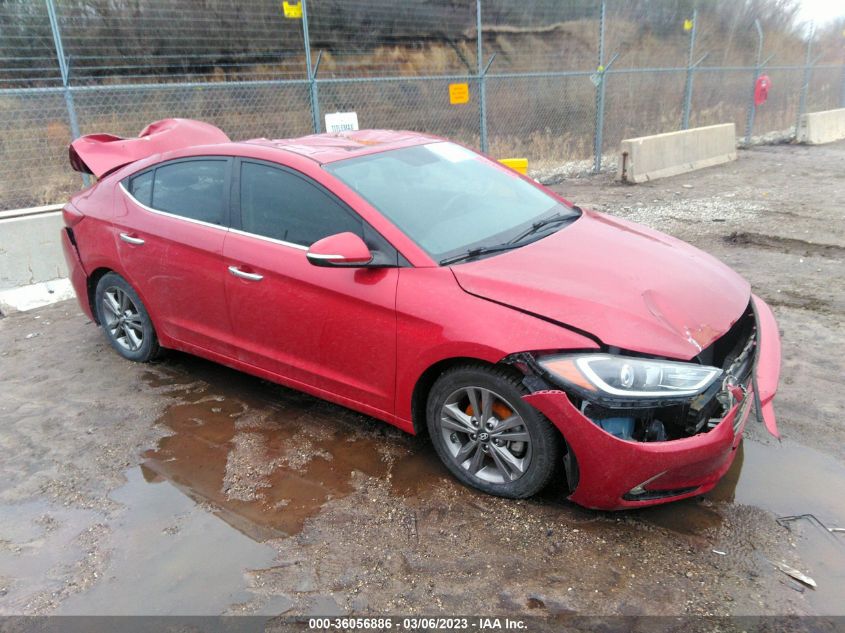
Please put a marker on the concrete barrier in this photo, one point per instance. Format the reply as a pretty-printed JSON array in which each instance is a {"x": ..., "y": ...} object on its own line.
[
  {"x": 822, "y": 127},
  {"x": 30, "y": 247},
  {"x": 35, "y": 296},
  {"x": 650, "y": 157}
]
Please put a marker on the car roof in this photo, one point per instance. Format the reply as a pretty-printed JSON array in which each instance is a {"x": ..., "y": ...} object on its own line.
[{"x": 331, "y": 147}]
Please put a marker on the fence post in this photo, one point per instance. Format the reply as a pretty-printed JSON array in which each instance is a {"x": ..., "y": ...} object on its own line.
[
  {"x": 842, "y": 88},
  {"x": 314, "y": 98},
  {"x": 808, "y": 71},
  {"x": 599, "y": 130},
  {"x": 690, "y": 71},
  {"x": 65, "y": 73},
  {"x": 482, "y": 80},
  {"x": 752, "y": 108}
]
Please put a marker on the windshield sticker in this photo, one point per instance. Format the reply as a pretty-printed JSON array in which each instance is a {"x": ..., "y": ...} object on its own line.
[{"x": 451, "y": 152}]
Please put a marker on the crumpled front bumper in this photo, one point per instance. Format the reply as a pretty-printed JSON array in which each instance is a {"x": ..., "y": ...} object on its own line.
[{"x": 610, "y": 468}]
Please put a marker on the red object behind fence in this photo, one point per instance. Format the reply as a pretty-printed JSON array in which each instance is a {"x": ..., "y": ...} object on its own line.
[{"x": 761, "y": 90}]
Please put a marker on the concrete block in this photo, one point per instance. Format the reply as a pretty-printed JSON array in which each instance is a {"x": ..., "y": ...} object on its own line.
[
  {"x": 662, "y": 155},
  {"x": 35, "y": 296},
  {"x": 31, "y": 249},
  {"x": 822, "y": 127}
]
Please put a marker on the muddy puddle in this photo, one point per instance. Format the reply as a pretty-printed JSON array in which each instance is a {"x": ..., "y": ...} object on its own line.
[
  {"x": 245, "y": 462},
  {"x": 792, "y": 480},
  {"x": 786, "y": 480},
  {"x": 26, "y": 559},
  {"x": 264, "y": 459},
  {"x": 171, "y": 557},
  {"x": 264, "y": 476}
]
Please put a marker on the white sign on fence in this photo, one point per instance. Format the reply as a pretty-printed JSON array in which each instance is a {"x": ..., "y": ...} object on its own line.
[{"x": 341, "y": 122}]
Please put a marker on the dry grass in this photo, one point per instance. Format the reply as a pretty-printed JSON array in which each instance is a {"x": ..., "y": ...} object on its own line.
[{"x": 548, "y": 120}]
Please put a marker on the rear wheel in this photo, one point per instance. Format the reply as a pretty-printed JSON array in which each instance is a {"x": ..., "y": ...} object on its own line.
[
  {"x": 125, "y": 319},
  {"x": 488, "y": 436}
]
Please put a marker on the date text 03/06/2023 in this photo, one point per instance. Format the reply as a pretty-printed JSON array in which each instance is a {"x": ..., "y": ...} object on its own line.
[{"x": 418, "y": 623}]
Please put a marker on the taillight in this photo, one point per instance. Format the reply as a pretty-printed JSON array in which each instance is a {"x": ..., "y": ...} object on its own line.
[{"x": 71, "y": 215}]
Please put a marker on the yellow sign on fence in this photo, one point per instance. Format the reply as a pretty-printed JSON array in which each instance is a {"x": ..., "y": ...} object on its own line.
[
  {"x": 293, "y": 10},
  {"x": 458, "y": 93}
]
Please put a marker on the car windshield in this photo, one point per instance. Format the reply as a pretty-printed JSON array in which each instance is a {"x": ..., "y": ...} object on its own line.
[{"x": 450, "y": 200}]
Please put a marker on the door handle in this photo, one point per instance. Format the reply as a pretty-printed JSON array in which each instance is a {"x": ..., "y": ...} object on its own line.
[
  {"x": 131, "y": 240},
  {"x": 237, "y": 272}
]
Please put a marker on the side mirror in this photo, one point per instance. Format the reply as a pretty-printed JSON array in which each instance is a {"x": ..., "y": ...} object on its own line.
[{"x": 342, "y": 250}]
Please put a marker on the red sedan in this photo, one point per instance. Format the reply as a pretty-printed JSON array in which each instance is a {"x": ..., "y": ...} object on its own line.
[{"x": 416, "y": 281}]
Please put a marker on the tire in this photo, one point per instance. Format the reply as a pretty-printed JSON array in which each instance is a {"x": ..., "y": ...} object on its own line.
[
  {"x": 125, "y": 319},
  {"x": 529, "y": 448}
]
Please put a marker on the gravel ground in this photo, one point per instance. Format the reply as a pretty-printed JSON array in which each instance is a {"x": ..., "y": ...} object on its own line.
[{"x": 125, "y": 488}]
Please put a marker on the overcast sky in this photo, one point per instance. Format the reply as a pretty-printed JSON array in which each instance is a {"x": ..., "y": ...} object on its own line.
[{"x": 822, "y": 11}]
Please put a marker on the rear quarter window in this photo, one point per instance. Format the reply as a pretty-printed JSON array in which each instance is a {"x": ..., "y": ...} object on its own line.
[{"x": 141, "y": 188}]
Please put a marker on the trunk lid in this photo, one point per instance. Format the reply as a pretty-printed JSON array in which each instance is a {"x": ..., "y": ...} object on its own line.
[{"x": 99, "y": 154}]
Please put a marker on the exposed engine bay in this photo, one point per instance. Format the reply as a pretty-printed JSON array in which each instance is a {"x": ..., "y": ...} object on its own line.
[{"x": 663, "y": 419}]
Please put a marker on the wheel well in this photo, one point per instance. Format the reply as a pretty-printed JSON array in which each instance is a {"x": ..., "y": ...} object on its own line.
[
  {"x": 93, "y": 280},
  {"x": 419, "y": 399}
]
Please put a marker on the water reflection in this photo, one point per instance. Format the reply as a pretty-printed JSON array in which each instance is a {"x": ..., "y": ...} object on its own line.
[{"x": 262, "y": 474}]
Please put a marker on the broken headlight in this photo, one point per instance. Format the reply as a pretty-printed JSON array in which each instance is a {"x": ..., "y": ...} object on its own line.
[{"x": 607, "y": 377}]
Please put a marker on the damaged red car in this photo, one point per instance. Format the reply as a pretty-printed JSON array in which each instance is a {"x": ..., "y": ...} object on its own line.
[{"x": 416, "y": 281}]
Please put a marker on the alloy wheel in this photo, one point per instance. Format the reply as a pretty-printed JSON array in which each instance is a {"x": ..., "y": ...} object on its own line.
[
  {"x": 122, "y": 319},
  {"x": 485, "y": 435}
]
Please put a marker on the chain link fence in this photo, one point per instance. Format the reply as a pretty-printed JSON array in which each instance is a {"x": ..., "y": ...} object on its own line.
[{"x": 559, "y": 83}]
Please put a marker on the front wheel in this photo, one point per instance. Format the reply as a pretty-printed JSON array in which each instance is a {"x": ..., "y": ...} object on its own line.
[
  {"x": 125, "y": 319},
  {"x": 488, "y": 436}
]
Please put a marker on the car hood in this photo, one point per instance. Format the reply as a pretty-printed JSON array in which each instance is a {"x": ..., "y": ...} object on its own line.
[{"x": 627, "y": 285}]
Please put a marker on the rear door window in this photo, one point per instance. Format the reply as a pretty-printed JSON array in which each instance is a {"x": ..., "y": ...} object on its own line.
[
  {"x": 282, "y": 205},
  {"x": 141, "y": 188},
  {"x": 194, "y": 189}
]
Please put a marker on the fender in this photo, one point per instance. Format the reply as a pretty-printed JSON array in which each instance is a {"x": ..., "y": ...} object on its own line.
[{"x": 429, "y": 332}]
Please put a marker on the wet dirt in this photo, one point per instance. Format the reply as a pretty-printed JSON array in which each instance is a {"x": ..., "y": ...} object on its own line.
[
  {"x": 789, "y": 480},
  {"x": 779, "y": 479},
  {"x": 785, "y": 245},
  {"x": 185, "y": 487}
]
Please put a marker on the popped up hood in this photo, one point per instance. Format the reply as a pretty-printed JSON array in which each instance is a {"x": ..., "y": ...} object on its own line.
[
  {"x": 99, "y": 154},
  {"x": 627, "y": 285}
]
